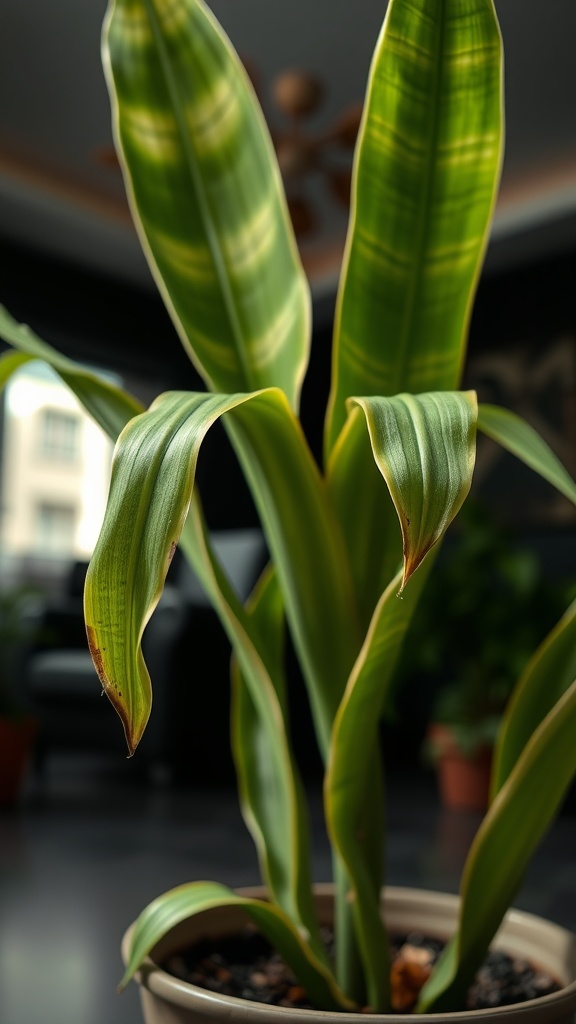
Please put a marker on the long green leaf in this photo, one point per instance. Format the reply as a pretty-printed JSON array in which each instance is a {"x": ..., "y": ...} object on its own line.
[
  {"x": 533, "y": 764},
  {"x": 110, "y": 406},
  {"x": 546, "y": 677},
  {"x": 206, "y": 195},
  {"x": 307, "y": 549},
  {"x": 519, "y": 438},
  {"x": 152, "y": 479},
  {"x": 273, "y": 802},
  {"x": 366, "y": 514},
  {"x": 425, "y": 179},
  {"x": 10, "y": 362},
  {"x": 426, "y": 172},
  {"x": 184, "y": 901},
  {"x": 424, "y": 446},
  {"x": 503, "y": 846},
  {"x": 349, "y": 776}
]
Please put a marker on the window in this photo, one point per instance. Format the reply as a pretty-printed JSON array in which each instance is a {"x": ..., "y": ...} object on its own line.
[
  {"x": 54, "y": 529},
  {"x": 60, "y": 435}
]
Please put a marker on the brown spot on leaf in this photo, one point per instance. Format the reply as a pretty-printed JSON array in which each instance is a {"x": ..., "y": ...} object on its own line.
[
  {"x": 96, "y": 655},
  {"x": 110, "y": 688}
]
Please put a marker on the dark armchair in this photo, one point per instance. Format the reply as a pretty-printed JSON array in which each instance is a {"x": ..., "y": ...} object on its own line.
[{"x": 188, "y": 656}]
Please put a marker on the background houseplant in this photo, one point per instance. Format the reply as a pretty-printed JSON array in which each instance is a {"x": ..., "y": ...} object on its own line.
[
  {"x": 207, "y": 199},
  {"x": 491, "y": 605}
]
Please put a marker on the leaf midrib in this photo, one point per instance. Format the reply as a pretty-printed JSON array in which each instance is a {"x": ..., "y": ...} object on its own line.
[{"x": 212, "y": 235}]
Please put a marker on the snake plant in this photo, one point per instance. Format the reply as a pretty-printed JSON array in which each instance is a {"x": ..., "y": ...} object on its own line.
[{"x": 352, "y": 541}]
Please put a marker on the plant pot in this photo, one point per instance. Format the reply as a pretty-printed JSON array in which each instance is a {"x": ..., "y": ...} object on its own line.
[
  {"x": 463, "y": 779},
  {"x": 167, "y": 1000},
  {"x": 17, "y": 736}
]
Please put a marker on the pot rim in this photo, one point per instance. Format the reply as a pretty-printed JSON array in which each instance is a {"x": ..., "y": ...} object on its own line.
[{"x": 151, "y": 976}]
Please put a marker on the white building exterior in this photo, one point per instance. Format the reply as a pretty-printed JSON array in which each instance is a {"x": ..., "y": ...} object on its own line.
[{"x": 55, "y": 476}]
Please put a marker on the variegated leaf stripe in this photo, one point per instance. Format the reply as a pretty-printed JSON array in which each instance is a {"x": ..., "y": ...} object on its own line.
[
  {"x": 269, "y": 783},
  {"x": 517, "y": 820},
  {"x": 425, "y": 179},
  {"x": 110, "y": 406},
  {"x": 206, "y": 195},
  {"x": 183, "y": 902}
]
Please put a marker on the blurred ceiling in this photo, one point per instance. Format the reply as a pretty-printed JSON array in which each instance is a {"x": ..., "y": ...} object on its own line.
[{"x": 61, "y": 193}]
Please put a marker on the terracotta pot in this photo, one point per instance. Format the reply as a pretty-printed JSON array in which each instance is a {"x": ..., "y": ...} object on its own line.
[
  {"x": 16, "y": 738},
  {"x": 166, "y": 1000},
  {"x": 463, "y": 780}
]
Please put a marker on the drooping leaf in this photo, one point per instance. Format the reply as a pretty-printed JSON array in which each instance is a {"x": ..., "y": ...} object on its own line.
[
  {"x": 10, "y": 362},
  {"x": 151, "y": 487},
  {"x": 206, "y": 195},
  {"x": 519, "y": 438},
  {"x": 366, "y": 514},
  {"x": 110, "y": 406},
  {"x": 424, "y": 446},
  {"x": 184, "y": 901}
]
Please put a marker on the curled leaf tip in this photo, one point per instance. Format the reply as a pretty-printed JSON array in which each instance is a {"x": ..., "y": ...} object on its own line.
[
  {"x": 132, "y": 737},
  {"x": 412, "y": 562}
]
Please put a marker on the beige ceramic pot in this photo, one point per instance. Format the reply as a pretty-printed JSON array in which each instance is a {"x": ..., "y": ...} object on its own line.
[{"x": 166, "y": 1000}]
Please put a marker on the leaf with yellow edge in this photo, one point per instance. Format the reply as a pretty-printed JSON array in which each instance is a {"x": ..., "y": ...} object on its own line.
[
  {"x": 348, "y": 779},
  {"x": 424, "y": 446},
  {"x": 275, "y": 811},
  {"x": 516, "y": 435},
  {"x": 206, "y": 195},
  {"x": 516, "y": 821},
  {"x": 177, "y": 904},
  {"x": 152, "y": 479},
  {"x": 110, "y": 406}
]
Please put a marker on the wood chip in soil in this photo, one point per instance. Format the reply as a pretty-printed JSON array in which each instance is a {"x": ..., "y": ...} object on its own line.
[{"x": 245, "y": 966}]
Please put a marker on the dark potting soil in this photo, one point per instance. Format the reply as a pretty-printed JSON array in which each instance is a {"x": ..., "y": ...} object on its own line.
[{"x": 246, "y": 966}]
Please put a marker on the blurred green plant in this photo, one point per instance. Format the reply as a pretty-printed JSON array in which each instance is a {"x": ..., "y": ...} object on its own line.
[
  {"x": 491, "y": 604},
  {"x": 19, "y": 627}
]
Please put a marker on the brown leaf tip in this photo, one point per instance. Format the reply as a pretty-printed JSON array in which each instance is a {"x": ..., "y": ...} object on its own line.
[{"x": 110, "y": 688}]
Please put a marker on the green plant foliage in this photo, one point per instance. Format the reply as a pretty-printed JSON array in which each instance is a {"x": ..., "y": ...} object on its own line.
[
  {"x": 474, "y": 630},
  {"x": 352, "y": 541},
  {"x": 19, "y": 629}
]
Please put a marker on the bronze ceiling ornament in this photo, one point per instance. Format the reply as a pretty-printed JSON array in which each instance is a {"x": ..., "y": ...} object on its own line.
[{"x": 296, "y": 97}]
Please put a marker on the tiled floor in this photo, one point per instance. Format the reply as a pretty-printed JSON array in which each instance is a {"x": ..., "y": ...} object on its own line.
[{"x": 90, "y": 845}]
